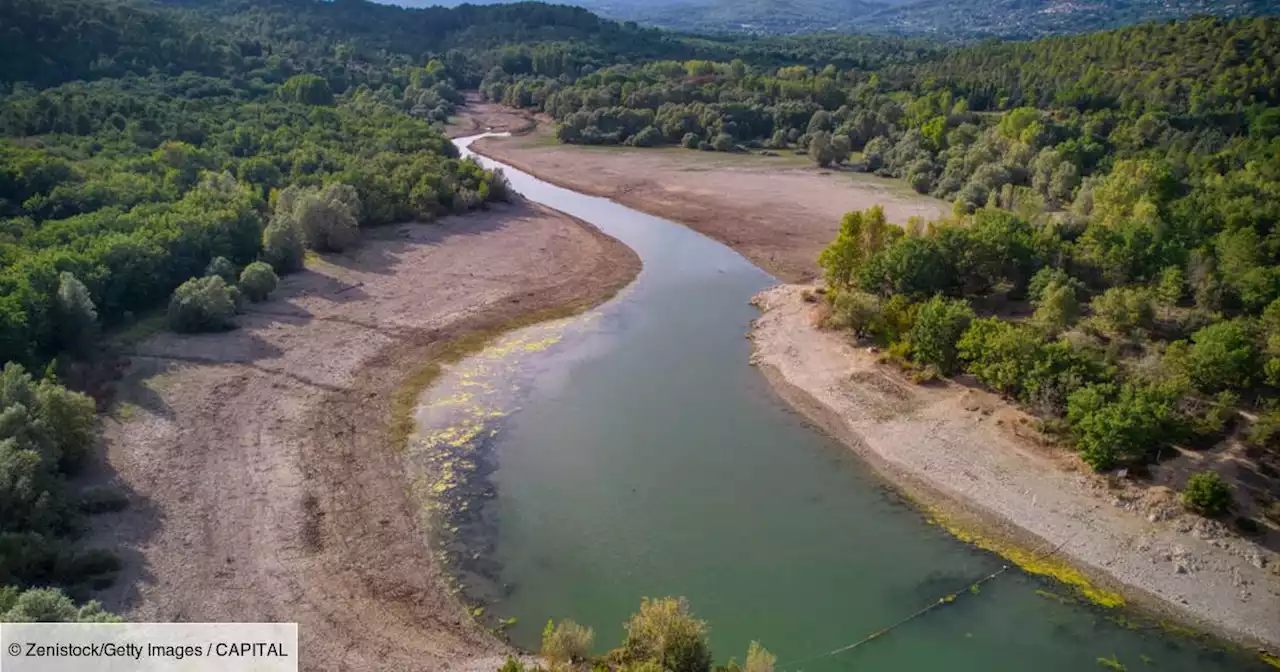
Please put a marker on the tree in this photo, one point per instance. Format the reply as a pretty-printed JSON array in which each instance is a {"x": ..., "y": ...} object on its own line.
[
  {"x": 282, "y": 245},
  {"x": 759, "y": 659},
  {"x": 257, "y": 281},
  {"x": 840, "y": 148},
  {"x": 664, "y": 631},
  {"x": 202, "y": 304},
  {"x": 1223, "y": 355},
  {"x": 1207, "y": 494},
  {"x": 723, "y": 142},
  {"x": 1114, "y": 427},
  {"x": 223, "y": 268},
  {"x": 326, "y": 222},
  {"x": 307, "y": 89},
  {"x": 862, "y": 235},
  {"x": 566, "y": 643},
  {"x": 1124, "y": 311},
  {"x": 939, "y": 324},
  {"x": 820, "y": 148},
  {"x": 48, "y": 605},
  {"x": 690, "y": 141},
  {"x": 76, "y": 316},
  {"x": 1057, "y": 309}
]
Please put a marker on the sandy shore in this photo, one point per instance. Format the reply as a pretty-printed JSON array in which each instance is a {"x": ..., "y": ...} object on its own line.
[
  {"x": 261, "y": 465},
  {"x": 778, "y": 211},
  {"x": 975, "y": 458}
]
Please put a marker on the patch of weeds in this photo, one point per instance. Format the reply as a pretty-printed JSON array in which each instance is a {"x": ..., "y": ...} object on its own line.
[{"x": 1112, "y": 663}]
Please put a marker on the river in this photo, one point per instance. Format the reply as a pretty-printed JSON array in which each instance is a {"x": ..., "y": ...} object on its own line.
[{"x": 634, "y": 452}]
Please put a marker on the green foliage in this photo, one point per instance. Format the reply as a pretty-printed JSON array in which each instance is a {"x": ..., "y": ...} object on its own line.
[
  {"x": 665, "y": 632},
  {"x": 1223, "y": 355},
  {"x": 223, "y": 268},
  {"x": 46, "y": 433},
  {"x": 282, "y": 245},
  {"x": 202, "y": 304},
  {"x": 1056, "y": 309},
  {"x": 566, "y": 643},
  {"x": 75, "y": 315},
  {"x": 862, "y": 235},
  {"x": 48, "y": 605},
  {"x": 939, "y": 324},
  {"x": 1120, "y": 426},
  {"x": 257, "y": 281},
  {"x": 1207, "y": 494},
  {"x": 307, "y": 89},
  {"x": 1124, "y": 311}
]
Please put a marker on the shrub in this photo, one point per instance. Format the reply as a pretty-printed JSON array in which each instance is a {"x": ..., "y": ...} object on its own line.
[
  {"x": 758, "y": 659},
  {"x": 257, "y": 281},
  {"x": 202, "y": 304},
  {"x": 939, "y": 324},
  {"x": 282, "y": 245},
  {"x": 1118, "y": 427},
  {"x": 48, "y": 605},
  {"x": 566, "y": 642},
  {"x": 858, "y": 312},
  {"x": 1223, "y": 355},
  {"x": 665, "y": 632},
  {"x": 1056, "y": 309},
  {"x": 1207, "y": 494},
  {"x": 723, "y": 142},
  {"x": 647, "y": 137},
  {"x": 223, "y": 268},
  {"x": 690, "y": 141},
  {"x": 1123, "y": 311},
  {"x": 75, "y": 315}
]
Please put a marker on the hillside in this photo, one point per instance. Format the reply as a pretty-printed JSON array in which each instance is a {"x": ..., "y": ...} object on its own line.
[{"x": 946, "y": 19}]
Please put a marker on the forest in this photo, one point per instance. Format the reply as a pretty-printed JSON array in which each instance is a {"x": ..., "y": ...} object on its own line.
[{"x": 1111, "y": 259}]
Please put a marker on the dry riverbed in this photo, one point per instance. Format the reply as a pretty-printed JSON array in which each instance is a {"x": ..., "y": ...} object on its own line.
[
  {"x": 264, "y": 479},
  {"x": 778, "y": 211},
  {"x": 981, "y": 463}
]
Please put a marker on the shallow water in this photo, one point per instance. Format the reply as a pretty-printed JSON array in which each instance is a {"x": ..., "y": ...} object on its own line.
[{"x": 634, "y": 452}]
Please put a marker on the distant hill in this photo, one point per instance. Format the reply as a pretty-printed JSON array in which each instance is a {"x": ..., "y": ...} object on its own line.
[
  {"x": 1038, "y": 18},
  {"x": 947, "y": 19}
]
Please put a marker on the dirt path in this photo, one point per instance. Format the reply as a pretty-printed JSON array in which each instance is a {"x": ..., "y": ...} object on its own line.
[
  {"x": 778, "y": 211},
  {"x": 978, "y": 459},
  {"x": 263, "y": 482}
]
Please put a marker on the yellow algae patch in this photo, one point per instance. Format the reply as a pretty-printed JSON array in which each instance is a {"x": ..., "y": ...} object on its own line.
[
  {"x": 1042, "y": 562},
  {"x": 1271, "y": 660}
]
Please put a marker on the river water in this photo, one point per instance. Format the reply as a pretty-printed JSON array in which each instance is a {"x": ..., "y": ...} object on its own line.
[{"x": 633, "y": 452}]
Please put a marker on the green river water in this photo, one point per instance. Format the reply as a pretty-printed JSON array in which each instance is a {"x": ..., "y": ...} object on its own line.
[{"x": 634, "y": 452}]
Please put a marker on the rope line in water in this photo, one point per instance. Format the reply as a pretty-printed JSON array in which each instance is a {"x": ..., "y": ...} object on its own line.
[{"x": 940, "y": 602}]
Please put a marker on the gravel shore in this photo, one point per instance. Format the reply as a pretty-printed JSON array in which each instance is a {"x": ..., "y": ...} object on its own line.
[{"x": 975, "y": 459}]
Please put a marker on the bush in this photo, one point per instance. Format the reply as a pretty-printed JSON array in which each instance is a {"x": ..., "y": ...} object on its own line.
[
  {"x": 1113, "y": 428},
  {"x": 223, "y": 268},
  {"x": 202, "y": 304},
  {"x": 282, "y": 245},
  {"x": 48, "y": 605},
  {"x": 665, "y": 632},
  {"x": 566, "y": 642},
  {"x": 858, "y": 312},
  {"x": 257, "y": 281},
  {"x": 690, "y": 141},
  {"x": 75, "y": 315},
  {"x": 1123, "y": 311},
  {"x": 939, "y": 324},
  {"x": 1223, "y": 355},
  {"x": 647, "y": 137},
  {"x": 723, "y": 142},
  {"x": 1207, "y": 494}
]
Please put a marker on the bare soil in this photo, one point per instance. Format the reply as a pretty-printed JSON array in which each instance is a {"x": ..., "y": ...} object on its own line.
[
  {"x": 778, "y": 211},
  {"x": 981, "y": 460},
  {"x": 261, "y": 465}
]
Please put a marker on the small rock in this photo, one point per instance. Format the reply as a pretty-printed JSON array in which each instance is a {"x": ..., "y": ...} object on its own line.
[{"x": 1180, "y": 568}]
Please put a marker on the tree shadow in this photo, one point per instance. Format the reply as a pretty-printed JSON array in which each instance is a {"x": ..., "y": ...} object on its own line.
[{"x": 124, "y": 533}]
